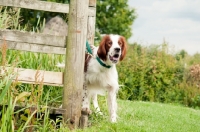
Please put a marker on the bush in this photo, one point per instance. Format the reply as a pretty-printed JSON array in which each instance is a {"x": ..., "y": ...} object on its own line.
[{"x": 152, "y": 74}]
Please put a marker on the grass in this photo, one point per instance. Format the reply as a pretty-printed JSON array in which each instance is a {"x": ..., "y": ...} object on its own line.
[{"x": 137, "y": 116}]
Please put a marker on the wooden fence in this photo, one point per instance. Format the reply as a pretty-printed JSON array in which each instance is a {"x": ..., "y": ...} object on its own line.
[{"x": 81, "y": 26}]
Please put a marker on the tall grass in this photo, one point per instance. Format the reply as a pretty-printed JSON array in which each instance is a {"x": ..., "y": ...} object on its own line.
[{"x": 14, "y": 93}]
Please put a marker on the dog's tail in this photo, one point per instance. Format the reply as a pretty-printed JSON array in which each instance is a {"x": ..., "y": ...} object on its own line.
[{"x": 61, "y": 65}]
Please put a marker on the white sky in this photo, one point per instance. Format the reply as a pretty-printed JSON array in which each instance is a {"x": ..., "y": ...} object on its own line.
[{"x": 176, "y": 21}]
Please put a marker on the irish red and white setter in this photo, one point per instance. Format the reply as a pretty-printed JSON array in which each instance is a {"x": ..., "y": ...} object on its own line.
[{"x": 101, "y": 74}]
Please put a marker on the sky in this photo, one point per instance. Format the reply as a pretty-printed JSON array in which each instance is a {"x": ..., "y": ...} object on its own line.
[{"x": 175, "y": 21}]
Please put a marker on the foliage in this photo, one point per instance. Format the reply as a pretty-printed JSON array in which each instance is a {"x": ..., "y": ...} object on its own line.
[
  {"x": 194, "y": 59},
  {"x": 9, "y": 18},
  {"x": 114, "y": 17},
  {"x": 152, "y": 74}
]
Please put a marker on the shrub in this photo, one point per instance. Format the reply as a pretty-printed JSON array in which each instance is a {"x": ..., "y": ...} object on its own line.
[{"x": 152, "y": 74}]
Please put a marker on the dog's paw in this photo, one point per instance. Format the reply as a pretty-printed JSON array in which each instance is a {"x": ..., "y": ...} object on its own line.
[
  {"x": 99, "y": 113},
  {"x": 113, "y": 119},
  {"x": 87, "y": 110},
  {"x": 61, "y": 65}
]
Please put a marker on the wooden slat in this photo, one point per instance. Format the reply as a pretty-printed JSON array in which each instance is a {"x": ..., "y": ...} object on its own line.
[
  {"x": 91, "y": 30},
  {"x": 47, "y": 77},
  {"x": 31, "y": 76},
  {"x": 33, "y": 47},
  {"x": 92, "y": 11},
  {"x": 91, "y": 24},
  {"x": 37, "y": 5},
  {"x": 42, "y": 5},
  {"x": 35, "y": 42},
  {"x": 34, "y": 38}
]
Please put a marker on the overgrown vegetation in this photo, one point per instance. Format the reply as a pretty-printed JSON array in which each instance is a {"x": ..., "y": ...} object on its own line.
[
  {"x": 148, "y": 73},
  {"x": 154, "y": 74}
]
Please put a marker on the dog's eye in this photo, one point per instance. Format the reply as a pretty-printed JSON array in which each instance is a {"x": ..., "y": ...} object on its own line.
[
  {"x": 110, "y": 43},
  {"x": 120, "y": 43}
]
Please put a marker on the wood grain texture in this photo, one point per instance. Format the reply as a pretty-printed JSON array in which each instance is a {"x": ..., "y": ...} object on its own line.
[
  {"x": 91, "y": 30},
  {"x": 34, "y": 47},
  {"x": 91, "y": 24},
  {"x": 34, "y": 42},
  {"x": 37, "y": 5},
  {"x": 74, "y": 62},
  {"x": 41, "y": 5},
  {"x": 34, "y": 38},
  {"x": 31, "y": 76}
]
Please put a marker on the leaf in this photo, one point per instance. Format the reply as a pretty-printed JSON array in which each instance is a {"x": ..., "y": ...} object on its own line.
[
  {"x": 27, "y": 111},
  {"x": 23, "y": 117},
  {"x": 21, "y": 96},
  {"x": 5, "y": 90}
]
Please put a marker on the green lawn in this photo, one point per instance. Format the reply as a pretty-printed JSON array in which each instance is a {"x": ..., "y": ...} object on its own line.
[{"x": 149, "y": 117}]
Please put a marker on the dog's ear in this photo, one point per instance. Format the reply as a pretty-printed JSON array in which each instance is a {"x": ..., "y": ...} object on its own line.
[
  {"x": 103, "y": 48},
  {"x": 123, "y": 46}
]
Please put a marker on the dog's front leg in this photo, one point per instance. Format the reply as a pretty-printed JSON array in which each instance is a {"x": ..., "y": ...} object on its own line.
[
  {"x": 112, "y": 104},
  {"x": 95, "y": 103},
  {"x": 86, "y": 99}
]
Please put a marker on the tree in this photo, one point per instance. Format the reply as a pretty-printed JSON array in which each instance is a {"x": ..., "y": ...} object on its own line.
[
  {"x": 181, "y": 55},
  {"x": 114, "y": 16}
]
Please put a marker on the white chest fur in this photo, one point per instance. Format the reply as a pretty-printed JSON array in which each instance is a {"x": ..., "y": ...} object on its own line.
[{"x": 99, "y": 78}]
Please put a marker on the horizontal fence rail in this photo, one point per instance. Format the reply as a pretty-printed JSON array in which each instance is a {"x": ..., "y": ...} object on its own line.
[
  {"x": 35, "y": 42},
  {"x": 43, "y": 6},
  {"x": 31, "y": 76}
]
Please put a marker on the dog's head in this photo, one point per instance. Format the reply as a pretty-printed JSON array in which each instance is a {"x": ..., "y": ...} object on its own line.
[{"x": 112, "y": 48}]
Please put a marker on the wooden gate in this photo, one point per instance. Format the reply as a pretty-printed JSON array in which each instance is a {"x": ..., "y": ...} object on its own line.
[{"x": 81, "y": 26}]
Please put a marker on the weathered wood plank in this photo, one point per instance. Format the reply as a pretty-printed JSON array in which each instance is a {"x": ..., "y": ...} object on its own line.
[
  {"x": 91, "y": 11},
  {"x": 35, "y": 42},
  {"x": 37, "y": 5},
  {"x": 73, "y": 75},
  {"x": 90, "y": 38},
  {"x": 33, "y": 47},
  {"x": 91, "y": 30},
  {"x": 34, "y": 38},
  {"x": 38, "y": 76},
  {"x": 31, "y": 76},
  {"x": 41, "y": 5},
  {"x": 91, "y": 24}
]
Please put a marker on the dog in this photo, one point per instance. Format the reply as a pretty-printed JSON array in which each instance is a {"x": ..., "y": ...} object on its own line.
[{"x": 101, "y": 74}]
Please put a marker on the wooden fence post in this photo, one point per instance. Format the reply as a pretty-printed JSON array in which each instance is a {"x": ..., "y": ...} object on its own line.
[
  {"x": 91, "y": 24},
  {"x": 74, "y": 62},
  {"x": 90, "y": 38}
]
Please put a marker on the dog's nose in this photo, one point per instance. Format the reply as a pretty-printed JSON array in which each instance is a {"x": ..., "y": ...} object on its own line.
[{"x": 117, "y": 49}]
